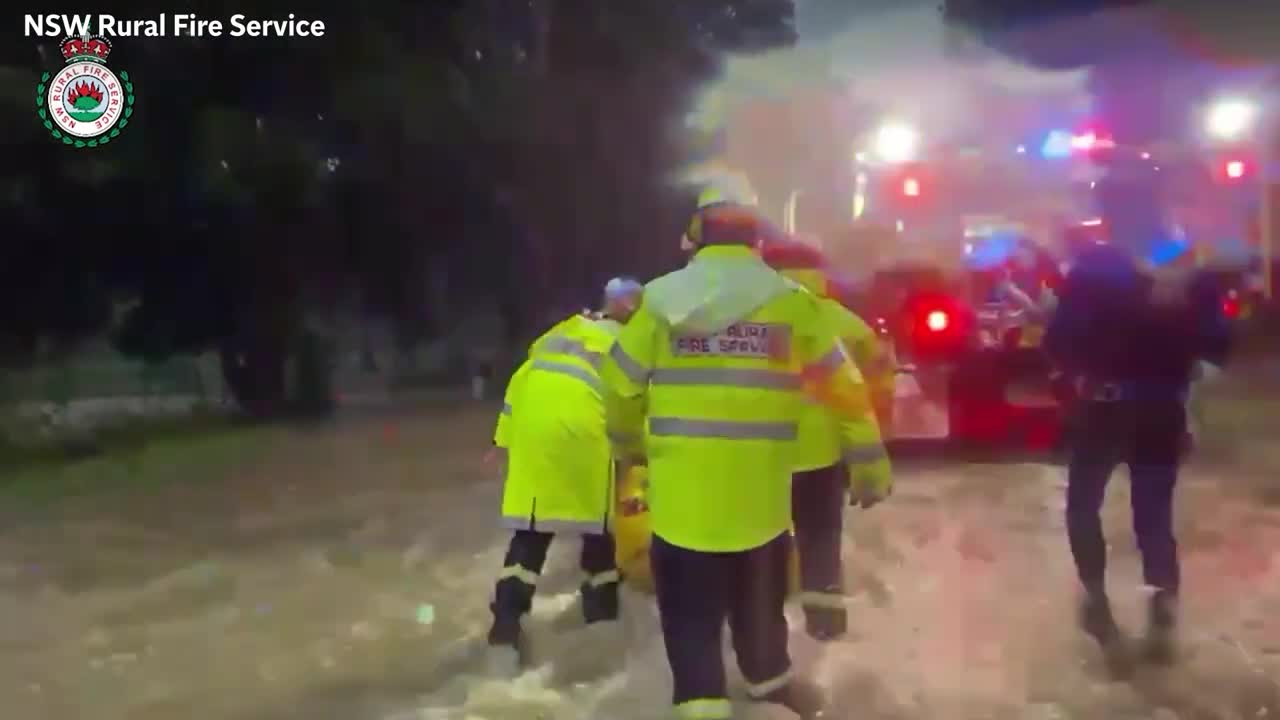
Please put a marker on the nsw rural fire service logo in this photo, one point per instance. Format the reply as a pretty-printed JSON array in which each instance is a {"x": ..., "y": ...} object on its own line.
[{"x": 85, "y": 104}]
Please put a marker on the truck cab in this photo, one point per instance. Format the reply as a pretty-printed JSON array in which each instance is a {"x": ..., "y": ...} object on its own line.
[{"x": 970, "y": 367}]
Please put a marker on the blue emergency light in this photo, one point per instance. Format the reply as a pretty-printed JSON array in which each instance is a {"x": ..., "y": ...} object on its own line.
[
  {"x": 1057, "y": 145},
  {"x": 991, "y": 250},
  {"x": 1167, "y": 250}
]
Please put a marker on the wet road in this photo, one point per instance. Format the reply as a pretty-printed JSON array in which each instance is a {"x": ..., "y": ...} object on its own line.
[{"x": 343, "y": 572}]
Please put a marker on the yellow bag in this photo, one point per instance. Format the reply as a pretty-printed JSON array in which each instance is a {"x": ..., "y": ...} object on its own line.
[{"x": 632, "y": 535}]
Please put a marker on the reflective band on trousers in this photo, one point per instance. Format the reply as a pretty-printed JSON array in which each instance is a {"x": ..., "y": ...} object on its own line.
[
  {"x": 524, "y": 575},
  {"x": 863, "y": 454},
  {"x": 566, "y": 369},
  {"x": 722, "y": 429},
  {"x": 566, "y": 346},
  {"x": 632, "y": 369},
  {"x": 762, "y": 689},
  {"x": 728, "y": 377},
  {"x": 828, "y": 600},
  {"x": 604, "y": 578},
  {"x": 705, "y": 709},
  {"x": 580, "y": 527}
]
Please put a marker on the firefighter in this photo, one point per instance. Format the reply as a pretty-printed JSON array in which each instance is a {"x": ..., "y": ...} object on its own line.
[
  {"x": 833, "y": 455},
  {"x": 1130, "y": 338},
  {"x": 559, "y": 477},
  {"x": 723, "y": 351},
  {"x": 621, "y": 298}
]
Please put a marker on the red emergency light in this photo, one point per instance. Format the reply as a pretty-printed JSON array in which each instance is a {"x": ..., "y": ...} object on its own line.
[
  {"x": 1231, "y": 305},
  {"x": 937, "y": 324},
  {"x": 1085, "y": 141},
  {"x": 1092, "y": 140},
  {"x": 1234, "y": 165},
  {"x": 1093, "y": 143}
]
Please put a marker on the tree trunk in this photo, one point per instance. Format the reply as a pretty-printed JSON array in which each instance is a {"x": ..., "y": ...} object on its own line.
[{"x": 253, "y": 363}]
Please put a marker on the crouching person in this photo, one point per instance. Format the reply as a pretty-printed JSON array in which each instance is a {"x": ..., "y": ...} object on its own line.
[{"x": 559, "y": 478}]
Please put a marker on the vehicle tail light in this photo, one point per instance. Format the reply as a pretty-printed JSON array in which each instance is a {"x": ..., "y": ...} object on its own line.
[
  {"x": 1231, "y": 308},
  {"x": 936, "y": 325}
]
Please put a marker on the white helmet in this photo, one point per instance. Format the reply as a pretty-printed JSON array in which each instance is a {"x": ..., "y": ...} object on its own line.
[{"x": 729, "y": 189}]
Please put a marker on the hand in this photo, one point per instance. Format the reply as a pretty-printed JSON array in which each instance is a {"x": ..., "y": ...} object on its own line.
[
  {"x": 627, "y": 464},
  {"x": 867, "y": 499},
  {"x": 632, "y": 506},
  {"x": 867, "y": 492}
]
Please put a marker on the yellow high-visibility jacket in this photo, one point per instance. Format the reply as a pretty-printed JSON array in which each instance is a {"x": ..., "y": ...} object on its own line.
[
  {"x": 875, "y": 359},
  {"x": 858, "y": 442},
  {"x": 826, "y": 440},
  {"x": 625, "y": 415},
  {"x": 559, "y": 462},
  {"x": 724, "y": 351}
]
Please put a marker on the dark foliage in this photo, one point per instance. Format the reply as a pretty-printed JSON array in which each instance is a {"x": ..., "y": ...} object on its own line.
[{"x": 419, "y": 157}]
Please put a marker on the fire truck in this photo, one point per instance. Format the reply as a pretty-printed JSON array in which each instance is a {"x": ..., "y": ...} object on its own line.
[
  {"x": 926, "y": 232},
  {"x": 970, "y": 368},
  {"x": 961, "y": 282}
]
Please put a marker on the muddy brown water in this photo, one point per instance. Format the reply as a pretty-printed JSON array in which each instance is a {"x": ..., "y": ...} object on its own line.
[{"x": 343, "y": 572}]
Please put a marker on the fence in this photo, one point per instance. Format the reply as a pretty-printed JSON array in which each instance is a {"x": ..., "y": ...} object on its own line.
[
  {"x": 112, "y": 377},
  {"x": 98, "y": 389}
]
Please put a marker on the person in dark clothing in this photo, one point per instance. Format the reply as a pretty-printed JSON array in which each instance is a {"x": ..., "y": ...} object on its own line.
[{"x": 1130, "y": 339}]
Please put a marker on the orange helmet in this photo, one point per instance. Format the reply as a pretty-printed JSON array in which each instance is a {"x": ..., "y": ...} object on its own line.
[{"x": 799, "y": 261}]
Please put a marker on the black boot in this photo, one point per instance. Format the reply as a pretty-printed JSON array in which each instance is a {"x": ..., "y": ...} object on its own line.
[
  {"x": 1097, "y": 620},
  {"x": 599, "y": 602},
  {"x": 801, "y": 697},
  {"x": 505, "y": 654},
  {"x": 826, "y": 624},
  {"x": 1162, "y": 620},
  {"x": 505, "y": 630}
]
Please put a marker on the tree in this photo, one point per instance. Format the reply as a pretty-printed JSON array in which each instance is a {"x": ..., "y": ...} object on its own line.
[
  {"x": 1151, "y": 63},
  {"x": 420, "y": 155},
  {"x": 594, "y": 89}
]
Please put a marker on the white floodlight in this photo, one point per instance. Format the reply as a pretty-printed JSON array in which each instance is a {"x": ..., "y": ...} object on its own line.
[
  {"x": 1231, "y": 119},
  {"x": 896, "y": 143}
]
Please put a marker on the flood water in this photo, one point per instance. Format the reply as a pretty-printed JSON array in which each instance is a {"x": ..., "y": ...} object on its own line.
[{"x": 343, "y": 572}]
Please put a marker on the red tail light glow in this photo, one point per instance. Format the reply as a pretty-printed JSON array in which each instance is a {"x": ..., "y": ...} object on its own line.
[
  {"x": 1231, "y": 308},
  {"x": 936, "y": 326}
]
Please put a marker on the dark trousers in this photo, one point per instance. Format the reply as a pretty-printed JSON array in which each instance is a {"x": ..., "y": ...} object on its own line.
[
  {"x": 698, "y": 591},
  {"x": 817, "y": 511},
  {"x": 527, "y": 553},
  {"x": 1147, "y": 436}
]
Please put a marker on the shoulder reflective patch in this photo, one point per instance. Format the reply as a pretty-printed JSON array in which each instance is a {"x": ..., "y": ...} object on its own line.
[{"x": 770, "y": 341}]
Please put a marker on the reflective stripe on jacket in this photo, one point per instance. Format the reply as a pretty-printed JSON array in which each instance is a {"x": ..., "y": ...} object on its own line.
[
  {"x": 722, "y": 351},
  {"x": 559, "y": 464},
  {"x": 858, "y": 442},
  {"x": 825, "y": 440}
]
